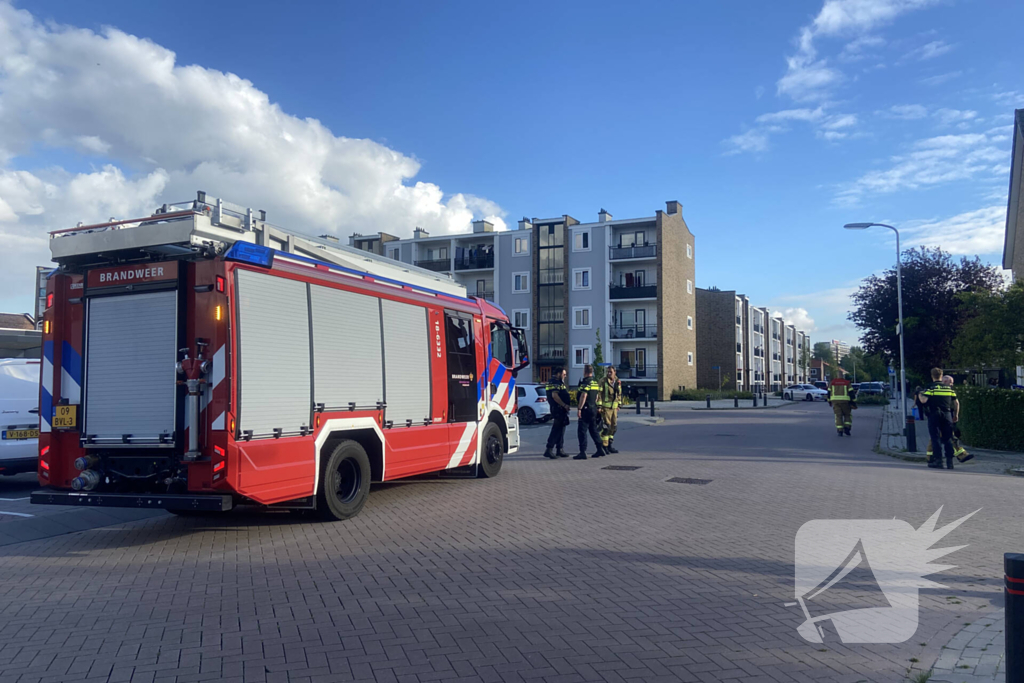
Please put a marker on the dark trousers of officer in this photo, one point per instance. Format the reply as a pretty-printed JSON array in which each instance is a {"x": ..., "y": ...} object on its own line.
[
  {"x": 940, "y": 431},
  {"x": 588, "y": 423},
  {"x": 556, "y": 438}
]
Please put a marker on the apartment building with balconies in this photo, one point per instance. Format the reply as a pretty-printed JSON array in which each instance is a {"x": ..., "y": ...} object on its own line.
[
  {"x": 744, "y": 347},
  {"x": 564, "y": 281}
]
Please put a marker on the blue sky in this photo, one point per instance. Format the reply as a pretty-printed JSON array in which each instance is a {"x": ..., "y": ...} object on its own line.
[{"x": 773, "y": 123}]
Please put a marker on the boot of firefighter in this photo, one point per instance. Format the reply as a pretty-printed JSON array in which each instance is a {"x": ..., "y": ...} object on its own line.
[{"x": 549, "y": 454}]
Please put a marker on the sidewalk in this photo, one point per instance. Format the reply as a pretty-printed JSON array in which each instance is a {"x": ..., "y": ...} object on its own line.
[
  {"x": 975, "y": 655},
  {"x": 892, "y": 442}
]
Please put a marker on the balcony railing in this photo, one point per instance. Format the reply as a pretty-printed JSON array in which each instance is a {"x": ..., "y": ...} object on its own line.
[
  {"x": 649, "y": 371},
  {"x": 474, "y": 262},
  {"x": 640, "y": 251},
  {"x": 648, "y": 290},
  {"x": 439, "y": 265},
  {"x": 551, "y": 352},
  {"x": 635, "y": 332},
  {"x": 484, "y": 294}
]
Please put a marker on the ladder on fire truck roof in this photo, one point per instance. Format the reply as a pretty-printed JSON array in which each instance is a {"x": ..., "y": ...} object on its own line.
[{"x": 212, "y": 225}]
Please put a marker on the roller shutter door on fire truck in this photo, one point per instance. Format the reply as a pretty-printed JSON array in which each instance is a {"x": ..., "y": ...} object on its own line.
[
  {"x": 406, "y": 363},
  {"x": 347, "y": 354},
  {"x": 129, "y": 369},
  {"x": 273, "y": 344}
]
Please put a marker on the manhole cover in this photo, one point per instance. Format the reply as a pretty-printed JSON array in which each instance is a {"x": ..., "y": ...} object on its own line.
[
  {"x": 621, "y": 468},
  {"x": 688, "y": 480}
]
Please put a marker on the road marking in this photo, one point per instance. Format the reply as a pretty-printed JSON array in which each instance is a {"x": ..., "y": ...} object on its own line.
[
  {"x": 25, "y": 498},
  {"x": 16, "y": 514}
]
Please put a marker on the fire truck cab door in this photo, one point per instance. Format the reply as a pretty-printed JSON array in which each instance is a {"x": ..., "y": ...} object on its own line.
[{"x": 462, "y": 379}]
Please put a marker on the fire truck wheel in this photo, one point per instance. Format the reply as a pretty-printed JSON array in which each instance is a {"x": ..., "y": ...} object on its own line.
[
  {"x": 344, "y": 482},
  {"x": 493, "y": 452}
]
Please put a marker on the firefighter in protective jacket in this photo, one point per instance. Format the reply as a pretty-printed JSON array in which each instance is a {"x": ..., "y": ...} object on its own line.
[
  {"x": 608, "y": 403},
  {"x": 841, "y": 398}
]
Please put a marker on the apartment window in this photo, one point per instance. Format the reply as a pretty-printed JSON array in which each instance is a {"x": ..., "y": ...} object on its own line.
[
  {"x": 393, "y": 253},
  {"x": 689, "y": 287},
  {"x": 521, "y": 318},
  {"x": 689, "y": 357},
  {"x": 520, "y": 282},
  {"x": 689, "y": 322},
  {"x": 521, "y": 247},
  {"x": 580, "y": 356},
  {"x": 689, "y": 251},
  {"x": 581, "y": 318},
  {"x": 581, "y": 240},
  {"x": 581, "y": 278}
]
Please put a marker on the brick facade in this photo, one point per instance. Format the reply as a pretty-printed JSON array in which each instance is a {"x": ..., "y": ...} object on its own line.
[
  {"x": 675, "y": 303},
  {"x": 716, "y": 338}
]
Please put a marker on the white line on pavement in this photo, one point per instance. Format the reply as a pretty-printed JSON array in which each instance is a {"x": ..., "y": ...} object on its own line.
[
  {"x": 25, "y": 498},
  {"x": 16, "y": 514}
]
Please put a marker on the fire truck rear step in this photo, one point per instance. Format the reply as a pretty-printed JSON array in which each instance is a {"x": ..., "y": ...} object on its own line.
[{"x": 199, "y": 503}]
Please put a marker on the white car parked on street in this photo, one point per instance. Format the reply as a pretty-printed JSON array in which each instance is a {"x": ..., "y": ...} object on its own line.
[
  {"x": 533, "y": 403},
  {"x": 804, "y": 392},
  {"x": 19, "y": 415}
]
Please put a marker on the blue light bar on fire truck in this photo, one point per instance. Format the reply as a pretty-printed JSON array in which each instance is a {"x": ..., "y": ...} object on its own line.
[{"x": 254, "y": 254}]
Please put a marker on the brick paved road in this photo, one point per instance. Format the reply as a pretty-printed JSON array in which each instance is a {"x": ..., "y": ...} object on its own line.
[{"x": 554, "y": 571}]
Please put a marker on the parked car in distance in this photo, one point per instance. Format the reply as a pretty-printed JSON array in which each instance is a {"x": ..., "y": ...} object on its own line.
[
  {"x": 821, "y": 384},
  {"x": 19, "y": 415},
  {"x": 873, "y": 388},
  {"x": 804, "y": 392},
  {"x": 533, "y": 403}
]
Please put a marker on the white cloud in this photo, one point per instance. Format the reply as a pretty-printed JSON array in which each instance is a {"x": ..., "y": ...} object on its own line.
[
  {"x": 810, "y": 115},
  {"x": 751, "y": 141},
  {"x": 948, "y": 117},
  {"x": 1010, "y": 98},
  {"x": 907, "y": 112},
  {"x": 179, "y": 128},
  {"x": 860, "y": 48},
  {"x": 939, "y": 79},
  {"x": 931, "y": 50},
  {"x": 798, "y": 317},
  {"x": 930, "y": 162},
  {"x": 809, "y": 78},
  {"x": 974, "y": 232}
]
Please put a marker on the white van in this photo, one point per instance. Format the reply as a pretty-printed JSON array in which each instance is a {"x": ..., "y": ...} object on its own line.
[{"x": 19, "y": 415}]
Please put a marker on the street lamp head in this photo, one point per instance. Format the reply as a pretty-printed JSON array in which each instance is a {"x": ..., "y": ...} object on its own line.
[{"x": 858, "y": 226}]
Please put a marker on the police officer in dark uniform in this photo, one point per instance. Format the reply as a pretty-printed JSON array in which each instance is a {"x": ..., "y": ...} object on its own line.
[
  {"x": 940, "y": 402},
  {"x": 558, "y": 398},
  {"x": 587, "y": 414}
]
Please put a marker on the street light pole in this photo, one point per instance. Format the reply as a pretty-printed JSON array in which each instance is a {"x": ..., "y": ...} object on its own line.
[{"x": 911, "y": 438}]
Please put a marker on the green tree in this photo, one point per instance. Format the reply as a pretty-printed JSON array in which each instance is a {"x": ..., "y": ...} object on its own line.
[
  {"x": 933, "y": 311},
  {"x": 994, "y": 335},
  {"x": 823, "y": 351},
  {"x": 805, "y": 361},
  {"x": 598, "y": 358}
]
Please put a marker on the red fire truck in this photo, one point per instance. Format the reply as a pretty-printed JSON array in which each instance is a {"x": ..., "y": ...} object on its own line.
[{"x": 201, "y": 358}]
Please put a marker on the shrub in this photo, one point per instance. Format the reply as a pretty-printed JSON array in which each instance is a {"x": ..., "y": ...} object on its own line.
[
  {"x": 701, "y": 394},
  {"x": 872, "y": 400},
  {"x": 991, "y": 418}
]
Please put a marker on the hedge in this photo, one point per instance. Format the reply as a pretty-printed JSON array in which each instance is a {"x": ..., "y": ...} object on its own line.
[
  {"x": 872, "y": 400},
  {"x": 700, "y": 394},
  {"x": 991, "y": 418}
]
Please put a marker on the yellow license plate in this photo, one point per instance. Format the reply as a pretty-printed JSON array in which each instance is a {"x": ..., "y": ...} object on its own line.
[
  {"x": 65, "y": 417},
  {"x": 21, "y": 434}
]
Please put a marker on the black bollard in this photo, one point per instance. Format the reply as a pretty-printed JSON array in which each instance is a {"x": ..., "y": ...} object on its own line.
[
  {"x": 765, "y": 399},
  {"x": 735, "y": 401},
  {"x": 707, "y": 397},
  {"x": 637, "y": 405},
  {"x": 755, "y": 400},
  {"x": 652, "y": 408},
  {"x": 1013, "y": 565},
  {"x": 911, "y": 433}
]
